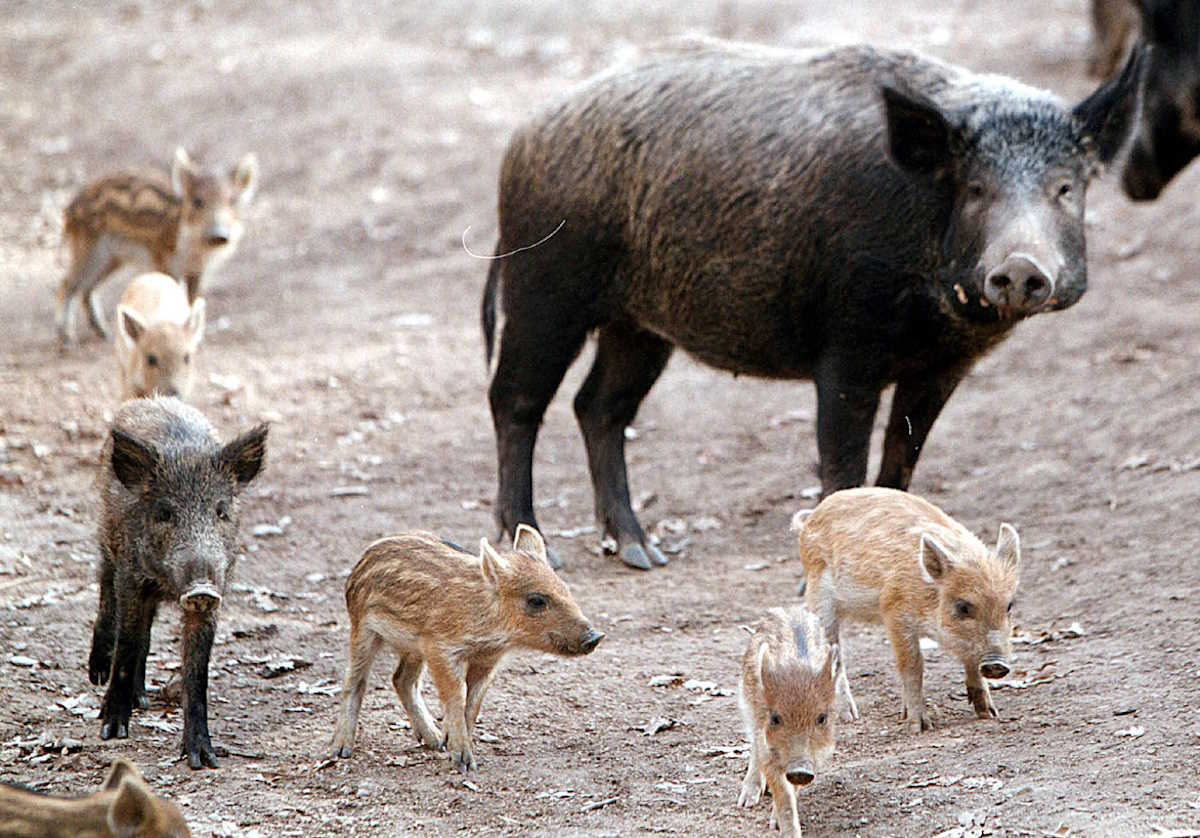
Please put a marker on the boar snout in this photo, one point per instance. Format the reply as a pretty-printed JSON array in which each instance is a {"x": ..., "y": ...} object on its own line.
[
  {"x": 1018, "y": 284},
  {"x": 201, "y": 597},
  {"x": 994, "y": 668},
  {"x": 799, "y": 774}
]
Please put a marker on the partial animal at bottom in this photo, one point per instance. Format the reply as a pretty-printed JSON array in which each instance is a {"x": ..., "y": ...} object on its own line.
[
  {"x": 442, "y": 609},
  {"x": 877, "y": 555},
  {"x": 786, "y": 698},
  {"x": 123, "y": 807}
]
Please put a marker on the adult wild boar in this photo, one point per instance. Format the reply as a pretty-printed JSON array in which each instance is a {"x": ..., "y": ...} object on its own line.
[
  {"x": 856, "y": 216},
  {"x": 1168, "y": 134}
]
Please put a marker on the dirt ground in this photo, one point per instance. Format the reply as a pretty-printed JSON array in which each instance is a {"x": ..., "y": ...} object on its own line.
[{"x": 349, "y": 319}]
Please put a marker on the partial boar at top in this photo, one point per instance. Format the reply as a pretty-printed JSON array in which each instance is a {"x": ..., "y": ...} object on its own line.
[
  {"x": 786, "y": 699},
  {"x": 124, "y": 807},
  {"x": 440, "y": 608},
  {"x": 889, "y": 557},
  {"x": 1168, "y": 135},
  {"x": 855, "y": 216},
  {"x": 158, "y": 334},
  {"x": 185, "y": 226}
]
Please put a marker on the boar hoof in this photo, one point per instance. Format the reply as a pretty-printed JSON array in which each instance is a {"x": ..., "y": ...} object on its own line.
[
  {"x": 634, "y": 556},
  {"x": 99, "y": 666},
  {"x": 342, "y": 752},
  {"x": 201, "y": 757},
  {"x": 141, "y": 702}
]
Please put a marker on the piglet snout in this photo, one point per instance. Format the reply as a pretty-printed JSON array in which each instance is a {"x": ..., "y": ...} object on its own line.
[
  {"x": 590, "y": 640},
  {"x": 201, "y": 596},
  {"x": 994, "y": 668},
  {"x": 799, "y": 775}
]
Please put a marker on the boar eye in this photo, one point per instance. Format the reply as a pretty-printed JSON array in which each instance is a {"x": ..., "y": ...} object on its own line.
[
  {"x": 962, "y": 610},
  {"x": 152, "y": 360},
  {"x": 821, "y": 719},
  {"x": 535, "y": 603},
  {"x": 222, "y": 510},
  {"x": 1064, "y": 190},
  {"x": 776, "y": 721},
  {"x": 975, "y": 189},
  {"x": 162, "y": 512}
]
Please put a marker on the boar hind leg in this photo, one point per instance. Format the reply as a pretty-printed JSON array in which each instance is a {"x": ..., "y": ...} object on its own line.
[
  {"x": 364, "y": 646},
  {"x": 979, "y": 695},
  {"x": 628, "y": 362},
  {"x": 534, "y": 354},
  {"x": 407, "y": 682},
  {"x": 198, "y": 631},
  {"x": 915, "y": 405},
  {"x": 907, "y": 647},
  {"x": 136, "y": 610},
  {"x": 846, "y": 403}
]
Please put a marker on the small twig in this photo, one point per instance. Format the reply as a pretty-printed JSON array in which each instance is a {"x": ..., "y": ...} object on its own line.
[{"x": 599, "y": 804}]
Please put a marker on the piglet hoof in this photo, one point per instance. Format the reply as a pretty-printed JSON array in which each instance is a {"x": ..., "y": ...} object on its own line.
[
  {"x": 463, "y": 760},
  {"x": 751, "y": 794},
  {"x": 635, "y": 556},
  {"x": 341, "y": 751}
]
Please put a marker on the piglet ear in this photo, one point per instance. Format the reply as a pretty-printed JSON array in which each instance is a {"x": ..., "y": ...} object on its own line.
[
  {"x": 131, "y": 808},
  {"x": 130, "y": 326},
  {"x": 493, "y": 565},
  {"x": 1108, "y": 116},
  {"x": 120, "y": 769},
  {"x": 183, "y": 172},
  {"x": 244, "y": 456},
  {"x": 763, "y": 664},
  {"x": 132, "y": 460},
  {"x": 935, "y": 560},
  {"x": 529, "y": 540},
  {"x": 194, "y": 328},
  {"x": 1008, "y": 546},
  {"x": 919, "y": 137},
  {"x": 832, "y": 662},
  {"x": 245, "y": 179}
]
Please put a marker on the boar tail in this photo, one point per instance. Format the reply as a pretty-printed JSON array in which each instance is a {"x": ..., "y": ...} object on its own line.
[
  {"x": 799, "y": 518},
  {"x": 488, "y": 314}
]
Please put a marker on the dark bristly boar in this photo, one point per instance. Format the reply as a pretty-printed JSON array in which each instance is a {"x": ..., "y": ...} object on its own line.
[
  {"x": 441, "y": 608},
  {"x": 855, "y": 216},
  {"x": 786, "y": 697},
  {"x": 1114, "y": 26},
  {"x": 168, "y": 531},
  {"x": 1168, "y": 135},
  {"x": 124, "y": 807},
  {"x": 884, "y": 556}
]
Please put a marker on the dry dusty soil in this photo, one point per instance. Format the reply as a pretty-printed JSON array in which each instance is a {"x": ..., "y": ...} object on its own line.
[{"x": 349, "y": 319}]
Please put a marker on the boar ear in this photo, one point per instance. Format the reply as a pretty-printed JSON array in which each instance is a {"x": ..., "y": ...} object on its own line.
[
  {"x": 130, "y": 325},
  {"x": 120, "y": 769},
  {"x": 529, "y": 540},
  {"x": 245, "y": 179},
  {"x": 494, "y": 567},
  {"x": 244, "y": 456},
  {"x": 1008, "y": 545},
  {"x": 130, "y": 809},
  {"x": 919, "y": 137},
  {"x": 1108, "y": 116},
  {"x": 182, "y": 172},
  {"x": 935, "y": 560},
  {"x": 132, "y": 460},
  {"x": 195, "y": 324}
]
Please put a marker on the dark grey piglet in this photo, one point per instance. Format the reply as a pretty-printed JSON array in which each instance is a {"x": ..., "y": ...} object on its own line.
[{"x": 168, "y": 531}]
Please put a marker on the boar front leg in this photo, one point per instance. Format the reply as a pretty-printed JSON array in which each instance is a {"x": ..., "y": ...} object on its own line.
[
  {"x": 628, "y": 362},
  {"x": 916, "y": 404},
  {"x": 139, "y": 678},
  {"x": 846, "y": 403},
  {"x": 979, "y": 695},
  {"x": 136, "y": 611},
  {"x": 199, "y": 627},
  {"x": 104, "y": 632},
  {"x": 784, "y": 815},
  {"x": 449, "y": 679},
  {"x": 907, "y": 647}
]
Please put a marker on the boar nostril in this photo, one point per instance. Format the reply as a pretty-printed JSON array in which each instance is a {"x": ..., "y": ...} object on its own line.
[
  {"x": 799, "y": 777},
  {"x": 1000, "y": 281}
]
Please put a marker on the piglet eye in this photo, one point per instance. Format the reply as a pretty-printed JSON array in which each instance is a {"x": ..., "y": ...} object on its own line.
[
  {"x": 187, "y": 357},
  {"x": 535, "y": 602},
  {"x": 776, "y": 721},
  {"x": 962, "y": 610},
  {"x": 152, "y": 360},
  {"x": 821, "y": 719},
  {"x": 198, "y": 203}
]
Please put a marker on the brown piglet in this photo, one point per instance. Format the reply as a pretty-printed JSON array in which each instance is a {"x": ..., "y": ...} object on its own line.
[
  {"x": 786, "y": 697},
  {"x": 884, "y": 556},
  {"x": 439, "y": 607},
  {"x": 124, "y": 807}
]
